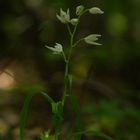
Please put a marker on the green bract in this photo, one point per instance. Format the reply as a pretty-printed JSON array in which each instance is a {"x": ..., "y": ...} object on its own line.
[
  {"x": 64, "y": 17},
  {"x": 57, "y": 49},
  {"x": 91, "y": 39},
  {"x": 79, "y": 9},
  {"x": 95, "y": 10}
]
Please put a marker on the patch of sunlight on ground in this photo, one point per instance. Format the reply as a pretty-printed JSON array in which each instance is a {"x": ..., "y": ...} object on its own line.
[{"x": 6, "y": 79}]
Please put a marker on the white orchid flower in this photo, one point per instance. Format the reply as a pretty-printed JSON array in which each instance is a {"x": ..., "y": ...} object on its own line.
[
  {"x": 74, "y": 21},
  {"x": 95, "y": 10},
  {"x": 91, "y": 39},
  {"x": 57, "y": 49},
  {"x": 64, "y": 17},
  {"x": 79, "y": 10}
]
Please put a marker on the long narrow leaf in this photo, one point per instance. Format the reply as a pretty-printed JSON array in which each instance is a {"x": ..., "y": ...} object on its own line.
[{"x": 25, "y": 108}]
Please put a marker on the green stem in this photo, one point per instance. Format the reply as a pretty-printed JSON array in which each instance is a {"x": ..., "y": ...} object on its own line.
[
  {"x": 69, "y": 29},
  {"x": 75, "y": 44},
  {"x": 64, "y": 56},
  {"x": 67, "y": 60},
  {"x": 66, "y": 80}
]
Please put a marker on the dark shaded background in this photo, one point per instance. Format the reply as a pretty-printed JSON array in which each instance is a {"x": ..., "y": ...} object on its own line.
[{"x": 106, "y": 78}]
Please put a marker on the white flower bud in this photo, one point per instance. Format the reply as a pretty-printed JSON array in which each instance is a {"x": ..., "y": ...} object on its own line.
[
  {"x": 79, "y": 9},
  {"x": 74, "y": 21},
  {"x": 95, "y": 10}
]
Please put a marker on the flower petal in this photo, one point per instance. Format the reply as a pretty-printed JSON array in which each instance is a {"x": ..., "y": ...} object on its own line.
[
  {"x": 50, "y": 48},
  {"x": 68, "y": 14},
  {"x": 93, "y": 43},
  {"x": 60, "y": 19},
  {"x": 58, "y": 47}
]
